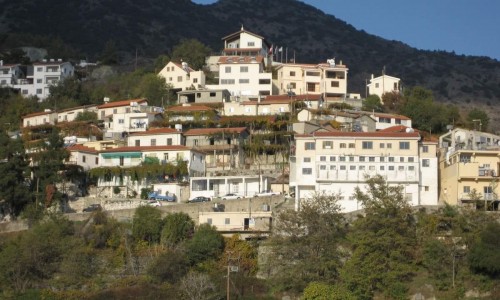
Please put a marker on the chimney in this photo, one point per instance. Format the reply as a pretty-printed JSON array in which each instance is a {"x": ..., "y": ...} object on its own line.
[{"x": 372, "y": 76}]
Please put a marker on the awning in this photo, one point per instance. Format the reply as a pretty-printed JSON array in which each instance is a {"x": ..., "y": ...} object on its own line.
[{"x": 122, "y": 154}]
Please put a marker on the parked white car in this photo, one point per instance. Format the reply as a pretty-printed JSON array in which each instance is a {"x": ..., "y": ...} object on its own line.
[
  {"x": 267, "y": 193},
  {"x": 231, "y": 196},
  {"x": 154, "y": 203}
]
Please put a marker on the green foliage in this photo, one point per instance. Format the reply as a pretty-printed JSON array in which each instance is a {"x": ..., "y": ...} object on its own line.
[
  {"x": 438, "y": 262},
  {"x": 147, "y": 224},
  {"x": 109, "y": 54},
  {"x": 65, "y": 94},
  {"x": 323, "y": 291},
  {"x": 207, "y": 243},
  {"x": 305, "y": 244},
  {"x": 191, "y": 51},
  {"x": 86, "y": 116},
  {"x": 14, "y": 183},
  {"x": 383, "y": 243},
  {"x": 169, "y": 266},
  {"x": 372, "y": 103},
  {"x": 484, "y": 255},
  {"x": 160, "y": 62},
  {"x": 177, "y": 227},
  {"x": 102, "y": 231},
  {"x": 478, "y": 114},
  {"x": 245, "y": 252}
]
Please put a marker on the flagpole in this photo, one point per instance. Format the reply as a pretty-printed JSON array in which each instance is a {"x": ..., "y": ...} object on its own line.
[
  {"x": 286, "y": 55},
  {"x": 293, "y": 56}
]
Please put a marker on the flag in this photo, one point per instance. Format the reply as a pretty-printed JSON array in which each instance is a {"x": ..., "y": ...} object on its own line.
[
  {"x": 275, "y": 48},
  {"x": 280, "y": 49},
  {"x": 270, "y": 52}
]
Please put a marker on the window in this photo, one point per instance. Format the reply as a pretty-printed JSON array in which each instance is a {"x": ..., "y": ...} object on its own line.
[
  {"x": 227, "y": 69},
  {"x": 391, "y": 158},
  {"x": 322, "y": 167},
  {"x": 371, "y": 158},
  {"x": 307, "y": 159},
  {"x": 307, "y": 171},
  {"x": 367, "y": 145},
  {"x": 179, "y": 78},
  {"x": 352, "y": 168},
  {"x": 292, "y": 73},
  {"x": 212, "y": 94},
  {"x": 153, "y": 142},
  {"x": 401, "y": 168},
  {"x": 251, "y": 44},
  {"x": 97, "y": 160},
  {"x": 382, "y": 168},
  {"x": 327, "y": 144},
  {"x": 426, "y": 163},
  {"x": 39, "y": 69},
  {"x": 169, "y": 141},
  {"x": 244, "y": 69},
  {"x": 310, "y": 146},
  {"x": 404, "y": 145},
  {"x": 244, "y": 81},
  {"x": 115, "y": 110},
  {"x": 84, "y": 158},
  {"x": 195, "y": 80},
  {"x": 425, "y": 149},
  {"x": 122, "y": 160},
  {"x": 371, "y": 168},
  {"x": 332, "y": 158},
  {"x": 389, "y": 146},
  {"x": 361, "y": 158},
  {"x": 227, "y": 81},
  {"x": 322, "y": 158},
  {"x": 401, "y": 159},
  {"x": 343, "y": 145},
  {"x": 334, "y": 84},
  {"x": 397, "y": 121},
  {"x": 382, "y": 145},
  {"x": 342, "y": 158},
  {"x": 466, "y": 189},
  {"x": 209, "y": 221},
  {"x": 411, "y": 159},
  {"x": 137, "y": 143},
  {"x": 121, "y": 121},
  {"x": 342, "y": 167},
  {"x": 293, "y": 85},
  {"x": 376, "y": 85},
  {"x": 264, "y": 81},
  {"x": 391, "y": 168},
  {"x": 426, "y": 188},
  {"x": 38, "y": 91},
  {"x": 361, "y": 168},
  {"x": 352, "y": 145},
  {"x": 351, "y": 158},
  {"x": 39, "y": 81},
  {"x": 25, "y": 92},
  {"x": 411, "y": 168},
  {"x": 382, "y": 159},
  {"x": 227, "y": 221},
  {"x": 465, "y": 158}
]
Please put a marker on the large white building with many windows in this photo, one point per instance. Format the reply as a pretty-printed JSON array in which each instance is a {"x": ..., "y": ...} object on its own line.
[{"x": 338, "y": 162}]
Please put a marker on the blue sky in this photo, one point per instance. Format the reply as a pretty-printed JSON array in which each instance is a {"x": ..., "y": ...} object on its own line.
[{"x": 470, "y": 27}]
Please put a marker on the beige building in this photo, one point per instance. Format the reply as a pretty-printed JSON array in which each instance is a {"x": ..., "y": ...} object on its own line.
[
  {"x": 119, "y": 107},
  {"x": 329, "y": 79},
  {"x": 182, "y": 77},
  {"x": 40, "y": 118},
  {"x": 469, "y": 165},
  {"x": 338, "y": 162},
  {"x": 383, "y": 84},
  {"x": 156, "y": 137}
]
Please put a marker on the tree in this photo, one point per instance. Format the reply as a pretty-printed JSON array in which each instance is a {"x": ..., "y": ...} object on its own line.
[
  {"x": 478, "y": 119},
  {"x": 160, "y": 62},
  {"x": 192, "y": 52},
  {"x": 484, "y": 256},
  {"x": 86, "y": 116},
  {"x": 154, "y": 88},
  {"x": 147, "y": 224},
  {"x": 393, "y": 102},
  {"x": 304, "y": 245},
  {"x": 383, "y": 243},
  {"x": 109, "y": 54},
  {"x": 198, "y": 286},
  {"x": 170, "y": 266},
  {"x": 372, "y": 103},
  {"x": 14, "y": 183},
  {"x": 206, "y": 244},
  {"x": 323, "y": 291},
  {"x": 177, "y": 228}
]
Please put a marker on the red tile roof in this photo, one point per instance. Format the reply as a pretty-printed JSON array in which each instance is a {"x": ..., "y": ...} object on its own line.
[
  {"x": 179, "y": 65},
  {"x": 206, "y": 131},
  {"x": 122, "y": 103},
  {"x": 40, "y": 113},
  {"x": 312, "y": 97},
  {"x": 397, "y": 128},
  {"x": 82, "y": 148},
  {"x": 155, "y": 131}
]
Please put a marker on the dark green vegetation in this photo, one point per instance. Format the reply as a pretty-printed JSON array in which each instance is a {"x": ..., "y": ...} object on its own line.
[
  {"x": 389, "y": 252},
  {"x": 114, "y": 31}
]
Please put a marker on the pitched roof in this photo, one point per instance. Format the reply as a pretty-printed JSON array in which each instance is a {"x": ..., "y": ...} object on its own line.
[
  {"x": 179, "y": 65},
  {"x": 240, "y": 59},
  {"x": 156, "y": 131},
  {"x": 312, "y": 97},
  {"x": 206, "y": 131},
  {"x": 40, "y": 113},
  {"x": 397, "y": 128},
  {"x": 121, "y": 103},
  {"x": 82, "y": 148},
  {"x": 238, "y": 33}
]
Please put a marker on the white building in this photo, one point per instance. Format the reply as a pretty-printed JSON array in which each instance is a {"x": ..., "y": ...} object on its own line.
[
  {"x": 156, "y": 137},
  {"x": 383, "y": 84},
  {"x": 182, "y": 77},
  {"x": 243, "y": 77},
  {"x": 10, "y": 74},
  {"x": 40, "y": 118},
  {"x": 119, "y": 107},
  {"x": 338, "y": 162},
  {"x": 41, "y": 75}
]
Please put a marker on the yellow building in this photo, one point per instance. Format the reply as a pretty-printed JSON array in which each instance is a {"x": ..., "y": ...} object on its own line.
[{"x": 469, "y": 165}]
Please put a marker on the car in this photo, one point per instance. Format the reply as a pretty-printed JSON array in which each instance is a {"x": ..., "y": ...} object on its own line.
[
  {"x": 154, "y": 203},
  {"x": 92, "y": 207},
  {"x": 158, "y": 196},
  {"x": 231, "y": 196},
  {"x": 199, "y": 199},
  {"x": 267, "y": 193}
]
